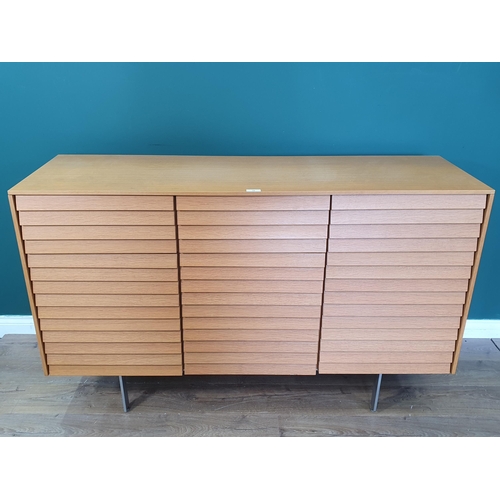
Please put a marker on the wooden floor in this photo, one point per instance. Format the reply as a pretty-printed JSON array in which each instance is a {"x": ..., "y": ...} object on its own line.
[{"x": 465, "y": 404}]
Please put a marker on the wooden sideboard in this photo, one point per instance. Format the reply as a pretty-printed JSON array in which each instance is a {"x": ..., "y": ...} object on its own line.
[{"x": 172, "y": 265}]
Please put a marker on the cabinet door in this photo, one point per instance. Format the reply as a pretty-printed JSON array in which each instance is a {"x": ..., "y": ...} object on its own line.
[
  {"x": 252, "y": 271},
  {"x": 398, "y": 270},
  {"x": 104, "y": 275}
]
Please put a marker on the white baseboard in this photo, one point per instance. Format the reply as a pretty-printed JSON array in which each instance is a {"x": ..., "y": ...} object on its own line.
[
  {"x": 475, "y": 328},
  {"x": 17, "y": 325},
  {"x": 482, "y": 329}
]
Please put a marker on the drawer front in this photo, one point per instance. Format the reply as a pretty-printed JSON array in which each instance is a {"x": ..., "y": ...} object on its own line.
[
  {"x": 97, "y": 218},
  {"x": 252, "y": 203},
  {"x": 285, "y": 260},
  {"x": 252, "y": 246},
  {"x": 252, "y": 271},
  {"x": 101, "y": 202},
  {"x": 101, "y": 247},
  {"x": 104, "y": 272},
  {"x": 408, "y": 202},
  {"x": 398, "y": 268},
  {"x": 254, "y": 218},
  {"x": 98, "y": 233},
  {"x": 276, "y": 232}
]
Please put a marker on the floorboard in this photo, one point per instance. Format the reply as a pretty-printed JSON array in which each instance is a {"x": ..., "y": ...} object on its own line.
[{"x": 465, "y": 404}]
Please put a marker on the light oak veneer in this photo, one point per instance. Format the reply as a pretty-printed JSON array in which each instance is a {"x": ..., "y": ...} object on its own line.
[{"x": 171, "y": 265}]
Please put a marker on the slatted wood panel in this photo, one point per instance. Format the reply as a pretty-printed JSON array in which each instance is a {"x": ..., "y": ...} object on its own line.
[
  {"x": 93, "y": 233},
  {"x": 105, "y": 280},
  {"x": 253, "y": 218},
  {"x": 114, "y": 325},
  {"x": 259, "y": 286},
  {"x": 396, "y": 280},
  {"x": 105, "y": 300},
  {"x": 403, "y": 245},
  {"x": 101, "y": 247},
  {"x": 102, "y": 202},
  {"x": 408, "y": 201},
  {"x": 121, "y": 261},
  {"x": 136, "y": 336},
  {"x": 281, "y": 299},
  {"x": 97, "y": 218},
  {"x": 109, "y": 370},
  {"x": 107, "y": 287},
  {"x": 371, "y": 298},
  {"x": 112, "y": 348},
  {"x": 252, "y": 274},
  {"x": 369, "y": 334},
  {"x": 245, "y": 335},
  {"x": 263, "y": 232},
  {"x": 251, "y": 246},
  {"x": 108, "y": 312}
]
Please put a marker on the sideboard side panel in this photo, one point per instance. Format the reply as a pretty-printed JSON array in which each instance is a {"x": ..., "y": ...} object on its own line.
[
  {"x": 27, "y": 279},
  {"x": 472, "y": 281}
]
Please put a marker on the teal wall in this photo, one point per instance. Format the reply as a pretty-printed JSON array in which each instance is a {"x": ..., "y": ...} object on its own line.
[{"x": 451, "y": 110}]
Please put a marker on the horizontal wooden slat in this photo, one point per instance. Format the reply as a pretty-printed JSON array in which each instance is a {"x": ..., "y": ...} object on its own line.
[
  {"x": 396, "y": 285},
  {"x": 400, "y": 216},
  {"x": 346, "y": 231},
  {"x": 387, "y": 368},
  {"x": 392, "y": 310},
  {"x": 97, "y": 218},
  {"x": 401, "y": 259},
  {"x": 252, "y": 347},
  {"x": 391, "y": 322},
  {"x": 108, "y": 312},
  {"x": 264, "y": 218},
  {"x": 251, "y": 323},
  {"x": 407, "y": 201},
  {"x": 394, "y": 298},
  {"x": 224, "y": 203},
  {"x": 404, "y": 272},
  {"x": 377, "y": 334},
  {"x": 403, "y": 245},
  {"x": 285, "y": 299},
  {"x": 249, "y": 369},
  {"x": 385, "y": 357},
  {"x": 106, "y": 287},
  {"x": 252, "y": 273},
  {"x": 252, "y": 246},
  {"x": 114, "y": 359},
  {"x": 115, "y": 325},
  {"x": 123, "y": 261},
  {"x": 246, "y": 311},
  {"x": 99, "y": 233},
  {"x": 106, "y": 300},
  {"x": 97, "y": 336},
  {"x": 253, "y": 358},
  {"x": 107, "y": 202},
  {"x": 112, "y": 348},
  {"x": 248, "y": 286},
  {"x": 254, "y": 233},
  {"x": 100, "y": 247},
  {"x": 75, "y": 274},
  {"x": 253, "y": 260},
  {"x": 387, "y": 346},
  {"x": 252, "y": 335},
  {"x": 118, "y": 370}
]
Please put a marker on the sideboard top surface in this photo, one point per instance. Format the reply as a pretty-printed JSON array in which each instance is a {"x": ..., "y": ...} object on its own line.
[{"x": 247, "y": 175}]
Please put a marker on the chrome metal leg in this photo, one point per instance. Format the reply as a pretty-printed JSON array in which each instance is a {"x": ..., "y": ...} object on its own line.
[
  {"x": 376, "y": 393},
  {"x": 123, "y": 389}
]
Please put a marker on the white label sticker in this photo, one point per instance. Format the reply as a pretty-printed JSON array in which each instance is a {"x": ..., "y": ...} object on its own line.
[{"x": 253, "y": 190}]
